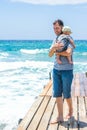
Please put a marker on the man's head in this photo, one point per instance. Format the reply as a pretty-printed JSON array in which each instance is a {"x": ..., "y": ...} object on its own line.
[{"x": 57, "y": 26}]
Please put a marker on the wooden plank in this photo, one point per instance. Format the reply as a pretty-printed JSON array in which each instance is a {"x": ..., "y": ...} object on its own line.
[
  {"x": 53, "y": 117},
  {"x": 74, "y": 102},
  {"x": 77, "y": 85},
  {"x": 64, "y": 126},
  {"x": 57, "y": 126},
  {"x": 49, "y": 93},
  {"x": 82, "y": 114},
  {"x": 85, "y": 85},
  {"x": 30, "y": 114},
  {"x": 81, "y": 80},
  {"x": 73, "y": 87},
  {"x": 82, "y": 84},
  {"x": 38, "y": 116},
  {"x": 85, "y": 101},
  {"x": 70, "y": 124},
  {"x": 46, "y": 88},
  {"x": 44, "y": 124}
]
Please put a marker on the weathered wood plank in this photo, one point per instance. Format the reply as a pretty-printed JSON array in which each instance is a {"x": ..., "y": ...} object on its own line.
[
  {"x": 85, "y": 101},
  {"x": 77, "y": 85},
  {"x": 46, "y": 88},
  {"x": 38, "y": 116},
  {"x": 30, "y": 114},
  {"x": 85, "y": 84},
  {"x": 49, "y": 93},
  {"x": 82, "y": 114},
  {"x": 53, "y": 117},
  {"x": 44, "y": 124},
  {"x": 64, "y": 126},
  {"x": 74, "y": 102},
  {"x": 73, "y": 87},
  {"x": 82, "y": 85}
]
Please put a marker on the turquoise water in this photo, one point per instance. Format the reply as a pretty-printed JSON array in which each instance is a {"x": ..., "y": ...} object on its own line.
[{"x": 24, "y": 70}]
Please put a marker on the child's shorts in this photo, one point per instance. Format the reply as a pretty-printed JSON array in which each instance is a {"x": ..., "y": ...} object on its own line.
[{"x": 62, "y": 81}]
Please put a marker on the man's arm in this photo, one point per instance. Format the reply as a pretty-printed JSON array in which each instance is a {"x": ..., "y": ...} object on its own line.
[
  {"x": 51, "y": 52},
  {"x": 55, "y": 47}
]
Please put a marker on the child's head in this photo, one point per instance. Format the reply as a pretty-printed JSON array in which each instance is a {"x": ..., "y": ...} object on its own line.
[{"x": 66, "y": 30}]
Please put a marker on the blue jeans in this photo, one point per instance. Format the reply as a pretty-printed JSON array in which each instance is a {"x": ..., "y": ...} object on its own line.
[{"x": 62, "y": 81}]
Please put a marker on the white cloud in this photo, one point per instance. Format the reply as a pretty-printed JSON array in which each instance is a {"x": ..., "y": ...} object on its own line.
[{"x": 52, "y": 2}]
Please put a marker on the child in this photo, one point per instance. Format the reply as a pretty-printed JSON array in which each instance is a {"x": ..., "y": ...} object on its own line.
[{"x": 66, "y": 34}]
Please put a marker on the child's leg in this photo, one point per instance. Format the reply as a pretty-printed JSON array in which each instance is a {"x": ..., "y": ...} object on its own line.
[
  {"x": 58, "y": 59},
  {"x": 69, "y": 59}
]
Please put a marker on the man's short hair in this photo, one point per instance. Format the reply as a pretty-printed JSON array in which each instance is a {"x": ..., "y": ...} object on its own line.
[{"x": 60, "y": 22}]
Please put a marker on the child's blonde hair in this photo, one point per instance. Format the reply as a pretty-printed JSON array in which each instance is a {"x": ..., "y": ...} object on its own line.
[{"x": 66, "y": 29}]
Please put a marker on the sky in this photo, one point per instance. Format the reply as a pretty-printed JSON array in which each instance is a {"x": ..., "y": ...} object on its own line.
[{"x": 33, "y": 19}]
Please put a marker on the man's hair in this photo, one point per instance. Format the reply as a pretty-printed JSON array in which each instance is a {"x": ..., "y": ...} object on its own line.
[{"x": 60, "y": 22}]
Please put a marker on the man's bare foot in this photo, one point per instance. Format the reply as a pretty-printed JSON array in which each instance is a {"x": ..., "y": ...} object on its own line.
[
  {"x": 69, "y": 115},
  {"x": 57, "y": 120}
]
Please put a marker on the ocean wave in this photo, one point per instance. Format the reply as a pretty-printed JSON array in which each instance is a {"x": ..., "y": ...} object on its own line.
[
  {"x": 31, "y": 65},
  {"x": 80, "y": 63},
  {"x": 35, "y": 51},
  {"x": 80, "y": 53},
  {"x": 27, "y": 64},
  {"x": 84, "y": 53},
  {"x": 3, "y": 54}
]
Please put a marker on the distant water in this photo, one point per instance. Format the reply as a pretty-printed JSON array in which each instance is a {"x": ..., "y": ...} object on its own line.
[{"x": 24, "y": 70}]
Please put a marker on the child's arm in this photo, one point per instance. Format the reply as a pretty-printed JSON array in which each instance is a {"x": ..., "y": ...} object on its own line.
[
  {"x": 68, "y": 52},
  {"x": 72, "y": 42}
]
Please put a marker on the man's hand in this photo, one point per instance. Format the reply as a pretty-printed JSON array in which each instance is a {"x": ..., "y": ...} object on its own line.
[{"x": 56, "y": 46}]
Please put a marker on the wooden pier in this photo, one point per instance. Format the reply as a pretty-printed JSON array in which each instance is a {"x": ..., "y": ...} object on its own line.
[{"x": 44, "y": 108}]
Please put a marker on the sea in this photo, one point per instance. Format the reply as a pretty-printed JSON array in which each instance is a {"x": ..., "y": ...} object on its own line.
[{"x": 24, "y": 71}]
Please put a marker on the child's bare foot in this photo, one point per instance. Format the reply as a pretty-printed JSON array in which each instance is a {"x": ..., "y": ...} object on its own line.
[
  {"x": 57, "y": 120},
  {"x": 70, "y": 62},
  {"x": 59, "y": 61}
]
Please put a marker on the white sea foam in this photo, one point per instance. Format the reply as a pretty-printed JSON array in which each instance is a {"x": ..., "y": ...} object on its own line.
[
  {"x": 28, "y": 64},
  {"x": 13, "y": 110},
  {"x": 20, "y": 83},
  {"x": 80, "y": 63},
  {"x": 84, "y": 53},
  {"x": 3, "y": 54},
  {"x": 35, "y": 51},
  {"x": 80, "y": 53}
]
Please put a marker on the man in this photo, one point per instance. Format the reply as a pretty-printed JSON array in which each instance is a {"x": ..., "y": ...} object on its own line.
[{"x": 62, "y": 73}]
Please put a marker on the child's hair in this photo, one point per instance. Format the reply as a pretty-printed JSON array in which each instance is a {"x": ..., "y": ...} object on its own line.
[{"x": 66, "y": 29}]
